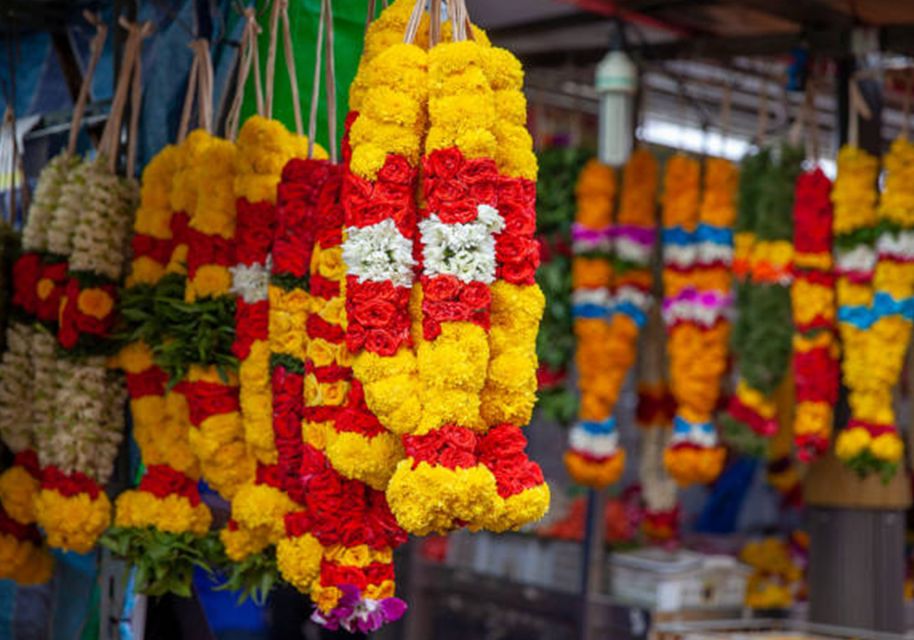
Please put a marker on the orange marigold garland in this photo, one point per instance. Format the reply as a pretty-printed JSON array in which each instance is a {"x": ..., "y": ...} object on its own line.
[
  {"x": 815, "y": 341},
  {"x": 613, "y": 275},
  {"x": 697, "y": 253}
]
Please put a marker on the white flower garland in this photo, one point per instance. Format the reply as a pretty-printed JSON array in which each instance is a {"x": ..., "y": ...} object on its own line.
[
  {"x": 16, "y": 388},
  {"x": 896, "y": 245},
  {"x": 379, "y": 252},
  {"x": 597, "y": 445},
  {"x": 45, "y": 202},
  {"x": 69, "y": 210},
  {"x": 861, "y": 259}
]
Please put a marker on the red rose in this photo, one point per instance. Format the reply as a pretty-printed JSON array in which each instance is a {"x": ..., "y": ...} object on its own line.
[
  {"x": 156, "y": 249},
  {"x": 444, "y": 192},
  {"x": 460, "y": 437},
  {"x": 252, "y": 322},
  {"x": 69, "y": 484},
  {"x": 456, "y": 458},
  {"x": 476, "y": 295},
  {"x": 520, "y": 273},
  {"x": 26, "y": 273},
  {"x": 443, "y": 164},
  {"x": 478, "y": 170},
  {"x": 397, "y": 170},
  {"x": 253, "y": 231},
  {"x": 150, "y": 382},
  {"x": 374, "y": 313},
  {"x": 444, "y": 287},
  {"x": 383, "y": 342},
  {"x": 519, "y": 220},
  {"x": 207, "y": 399},
  {"x": 431, "y": 328},
  {"x": 178, "y": 226},
  {"x": 459, "y": 212}
]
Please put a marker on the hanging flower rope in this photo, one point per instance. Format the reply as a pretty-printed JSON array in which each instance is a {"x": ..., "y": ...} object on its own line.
[
  {"x": 698, "y": 249},
  {"x": 656, "y": 408},
  {"x": 875, "y": 332},
  {"x": 763, "y": 334},
  {"x": 616, "y": 260},
  {"x": 38, "y": 282},
  {"x": 268, "y": 322},
  {"x": 78, "y": 444},
  {"x": 815, "y": 341}
]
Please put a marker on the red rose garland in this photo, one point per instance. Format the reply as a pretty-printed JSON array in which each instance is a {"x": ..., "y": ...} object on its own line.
[{"x": 816, "y": 367}]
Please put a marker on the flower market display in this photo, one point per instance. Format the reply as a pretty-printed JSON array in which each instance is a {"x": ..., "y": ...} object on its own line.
[
  {"x": 612, "y": 281},
  {"x": 815, "y": 340},
  {"x": 555, "y": 205},
  {"x": 762, "y": 337},
  {"x": 875, "y": 287},
  {"x": 697, "y": 253}
]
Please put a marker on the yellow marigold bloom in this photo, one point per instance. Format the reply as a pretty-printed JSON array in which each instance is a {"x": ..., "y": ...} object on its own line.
[
  {"x": 210, "y": 280},
  {"x": 690, "y": 466},
  {"x": 370, "y": 460},
  {"x": 887, "y": 447},
  {"x": 852, "y": 442},
  {"x": 153, "y": 216},
  {"x": 854, "y": 192},
  {"x": 512, "y": 513},
  {"x": 262, "y": 507},
  {"x": 173, "y": 513},
  {"x": 718, "y": 200},
  {"x": 72, "y": 523},
  {"x": 812, "y": 418},
  {"x": 638, "y": 199},
  {"x": 241, "y": 543},
  {"x": 37, "y": 569},
  {"x": 17, "y": 494},
  {"x": 299, "y": 560},
  {"x": 144, "y": 270},
  {"x": 135, "y": 357},
  {"x": 214, "y": 210},
  {"x": 897, "y": 201}
]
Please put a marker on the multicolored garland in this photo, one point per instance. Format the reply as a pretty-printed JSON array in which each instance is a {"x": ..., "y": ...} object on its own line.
[
  {"x": 26, "y": 559},
  {"x": 763, "y": 335},
  {"x": 875, "y": 314},
  {"x": 78, "y": 448},
  {"x": 697, "y": 255},
  {"x": 166, "y": 509},
  {"x": 614, "y": 272},
  {"x": 816, "y": 363}
]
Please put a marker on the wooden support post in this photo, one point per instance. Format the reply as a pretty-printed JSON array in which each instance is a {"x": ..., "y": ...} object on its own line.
[{"x": 856, "y": 527}]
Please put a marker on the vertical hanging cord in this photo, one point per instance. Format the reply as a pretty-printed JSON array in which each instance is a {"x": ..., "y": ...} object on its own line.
[
  {"x": 112, "y": 133},
  {"x": 247, "y": 57},
  {"x": 192, "y": 88},
  {"x": 331, "y": 84},
  {"x": 136, "y": 94},
  {"x": 369, "y": 15},
  {"x": 434, "y": 30},
  {"x": 271, "y": 57},
  {"x": 290, "y": 65},
  {"x": 96, "y": 47},
  {"x": 412, "y": 27},
  {"x": 725, "y": 115},
  {"x": 316, "y": 84}
]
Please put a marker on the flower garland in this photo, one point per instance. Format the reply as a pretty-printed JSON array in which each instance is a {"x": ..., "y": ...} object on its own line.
[
  {"x": 338, "y": 546},
  {"x": 654, "y": 415},
  {"x": 763, "y": 337},
  {"x": 697, "y": 255},
  {"x": 593, "y": 457},
  {"x": 877, "y": 332},
  {"x": 23, "y": 557},
  {"x": 79, "y": 443},
  {"x": 166, "y": 509},
  {"x": 611, "y": 309},
  {"x": 555, "y": 203},
  {"x": 20, "y": 483},
  {"x": 509, "y": 395},
  {"x": 778, "y": 571},
  {"x": 815, "y": 342}
]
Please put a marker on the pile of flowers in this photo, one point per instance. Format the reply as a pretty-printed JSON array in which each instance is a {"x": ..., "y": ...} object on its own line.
[
  {"x": 815, "y": 341},
  {"x": 778, "y": 571},
  {"x": 697, "y": 254},
  {"x": 612, "y": 279},
  {"x": 875, "y": 294},
  {"x": 762, "y": 339}
]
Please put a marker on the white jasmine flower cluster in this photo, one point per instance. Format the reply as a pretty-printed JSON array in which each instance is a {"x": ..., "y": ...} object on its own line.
[
  {"x": 463, "y": 250},
  {"x": 379, "y": 252},
  {"x": 860, "y": 259},
  {"x": 899, "y": 246},
  {"x": 252, "y": 282},
  {"x": 46, "y": 198},
  {"x": 16, "y": 388}
]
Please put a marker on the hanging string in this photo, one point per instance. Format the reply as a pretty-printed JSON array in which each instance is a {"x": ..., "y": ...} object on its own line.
[
  {"x": 129, "y": 64},
  {"x": 95, "y": 48},
  {"x": 316, "y": 84},
  {"x": 435, "y": 23},
  {"x": 858, "y": 108},
  {"x": 290, "y": 64},
  {"x": 331, "y": 84},
  {"x": 812, "y": 121},
  {"x": 369, "y": 16},
  {"x": 199, "y": 85},
  {"x": 412, "y": 27},
  {"x": 248, "y": 57},
  {"x": 271, "y": 56},
  {"x": 136, "y": 93}
]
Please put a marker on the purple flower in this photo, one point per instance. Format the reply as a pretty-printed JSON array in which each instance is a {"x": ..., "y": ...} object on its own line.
[{"x": 354, "y": 613}]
